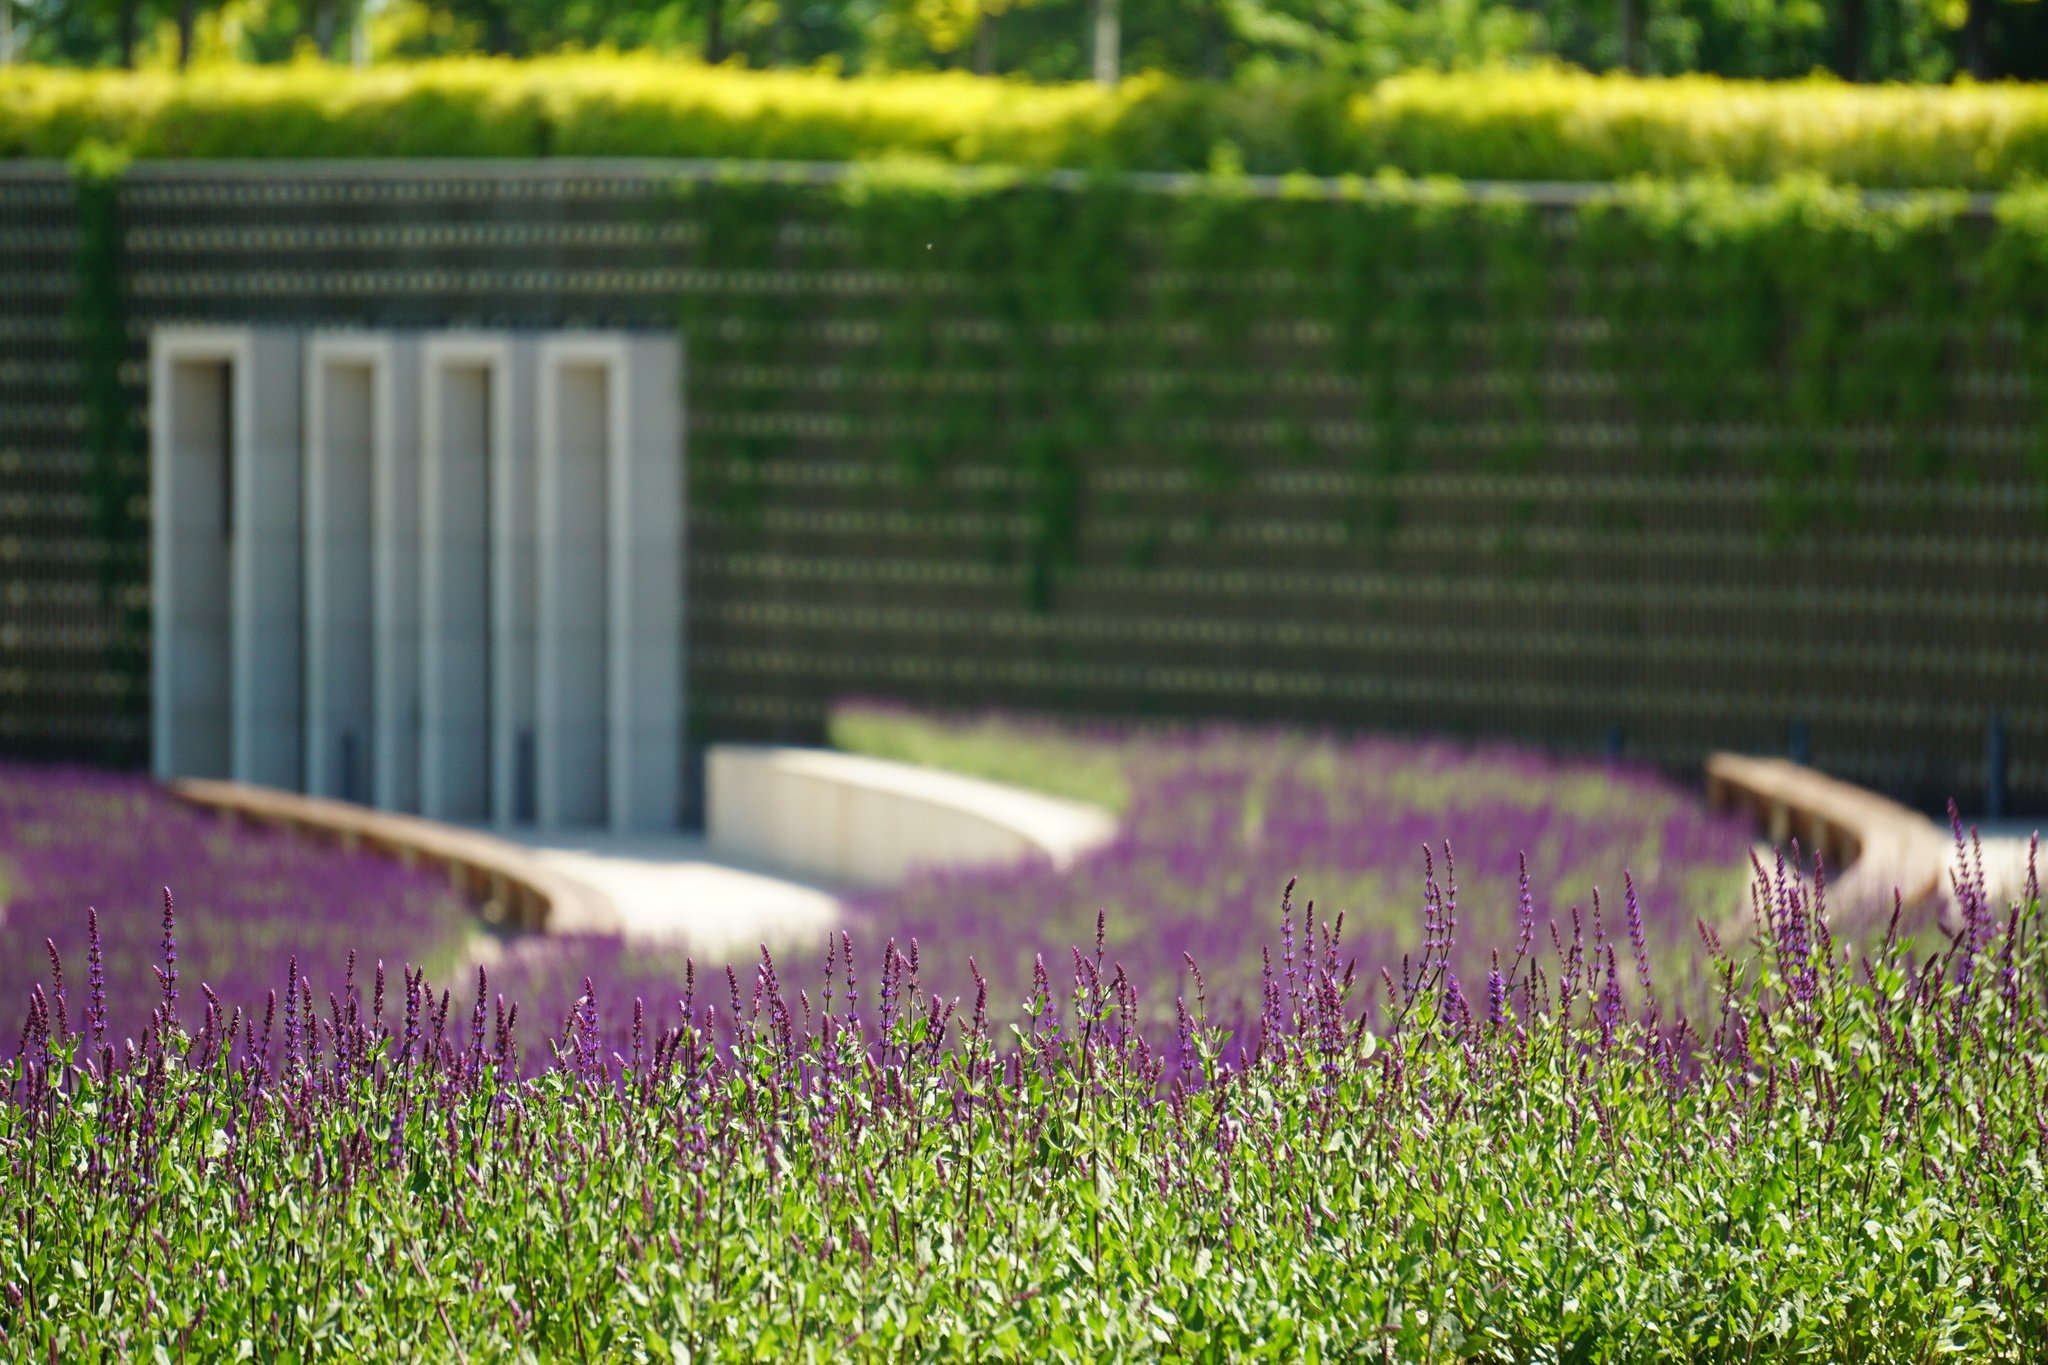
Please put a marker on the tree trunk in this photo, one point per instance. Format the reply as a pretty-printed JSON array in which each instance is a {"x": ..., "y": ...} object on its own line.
[
  {"x": 1631, "y": 19},
  {"x": 1976, "y": 39},
  {"x": 1108, "y": 41},
  {"x": 714, "y": 31},
  {"x": 498, "y": 31},
  {"x": 1849, "y": 56},
  {"x": 124, "y": 31},
  {"x": 187, "y": 16},
  {"x": 1213, "y": 40},
  {"x": 985, "y": 43}
]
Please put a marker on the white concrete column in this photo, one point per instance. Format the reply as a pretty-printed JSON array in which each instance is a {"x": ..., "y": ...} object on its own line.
[
  {"x": 514, "y": 598},
  {"x": 395, "y": 610},
  {"x": 349, "y": 435},
  {"x": 268, "y": 595},
  {"x": 192, "y": 374},
  {"x": 611, "y": 580},
  {"x": 650, "y": 523},
  {"x": 467, "y": 406},
  {"x": 580, "y": 420}
]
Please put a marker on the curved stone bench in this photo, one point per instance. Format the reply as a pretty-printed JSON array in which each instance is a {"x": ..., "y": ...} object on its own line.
[
  {"x": 1871, "y": 845},
  {"x": 861, "y": 821},
  {"x": 510, "y": 884}
]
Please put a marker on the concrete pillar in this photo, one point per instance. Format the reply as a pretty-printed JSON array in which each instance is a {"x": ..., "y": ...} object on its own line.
[
  {"x": 610, "y": 576},
  {"x": 351, "y": 434},
  {"x": 192, "y": 374},
  {"x": 269, "y": 601},
  {"x": 467, "y": 414}
]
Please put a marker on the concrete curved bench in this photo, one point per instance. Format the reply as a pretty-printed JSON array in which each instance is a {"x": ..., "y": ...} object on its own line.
[
  {"x": 510, "y": 884},
  {"x": 861, "y": 821},
  {"x": 1870, "y": 845}
]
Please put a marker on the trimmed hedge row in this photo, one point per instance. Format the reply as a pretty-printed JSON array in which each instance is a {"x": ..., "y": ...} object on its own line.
[{"x": 1541, "y": 125}]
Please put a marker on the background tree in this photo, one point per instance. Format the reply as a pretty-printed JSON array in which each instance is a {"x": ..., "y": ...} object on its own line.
[{"x": 1057, "y": 40}]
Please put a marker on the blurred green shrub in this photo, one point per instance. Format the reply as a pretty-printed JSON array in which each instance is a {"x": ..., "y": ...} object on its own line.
[{"x": 1528, "y": 125}]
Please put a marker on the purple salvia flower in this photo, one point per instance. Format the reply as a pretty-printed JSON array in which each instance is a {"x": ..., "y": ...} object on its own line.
[
  {"x": 586, "y": 1021},
  {"x": 95, "y": 981},
  {"x": 1635, "y": 932},
  {"x": 2033, "y": 892},
  {"x": 413, "y": 991},
  {"x": 1496, "y": 999},
  {"x": 1450, "y": 926},
  {"x": 57, "y": 989},
  {"x": 1525, "y": 909},
  {"x": 476, "y": 1028},
  {"x": 1455, "y": 1009},
  {"x": 1287, "y": 945},
  {"x": 170, "y": 955},
  {"x": 1610, "y": 1008},
  {"x": 292, "y": 1042}
]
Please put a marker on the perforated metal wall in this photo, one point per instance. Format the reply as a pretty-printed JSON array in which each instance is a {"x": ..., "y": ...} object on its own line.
[{"x": 1590, "y": 594}]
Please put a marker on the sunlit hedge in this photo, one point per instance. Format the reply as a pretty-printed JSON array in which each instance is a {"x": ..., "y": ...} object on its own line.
[{"x": 1542, "y": 125}]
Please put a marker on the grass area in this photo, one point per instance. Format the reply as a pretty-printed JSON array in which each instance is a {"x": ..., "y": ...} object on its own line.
[
  {"x": 1059, "y": 761},
  {"x": 1836, "y": 1161}
]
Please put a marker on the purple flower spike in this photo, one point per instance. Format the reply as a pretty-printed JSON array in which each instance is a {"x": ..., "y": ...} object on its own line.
[
  {"x": 170, "y": 955},
  {"x": 95, "y": 981}
]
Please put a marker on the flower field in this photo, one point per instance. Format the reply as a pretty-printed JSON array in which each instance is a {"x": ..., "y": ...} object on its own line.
[
  {"x": 1841, "y": 1159},
  {"x": 1217, "y": 820},
  {"x": 250, "y": 900}
]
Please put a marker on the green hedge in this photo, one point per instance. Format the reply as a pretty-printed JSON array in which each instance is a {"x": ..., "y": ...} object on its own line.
[{"x": 1542, "y": 125}]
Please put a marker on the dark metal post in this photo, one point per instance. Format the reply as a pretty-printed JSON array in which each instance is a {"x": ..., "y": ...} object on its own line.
[{"x": 1994, "y": 768}]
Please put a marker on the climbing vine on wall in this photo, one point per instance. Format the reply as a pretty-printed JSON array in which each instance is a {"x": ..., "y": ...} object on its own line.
[
  {"x": 116, "y": 479},
  {"x": 1807, "y": 333},
  {"x": 100, "y": 330}
]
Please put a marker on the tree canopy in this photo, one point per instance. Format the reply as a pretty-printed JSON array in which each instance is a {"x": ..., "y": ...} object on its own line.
[{"x": 1064, "y": 40}]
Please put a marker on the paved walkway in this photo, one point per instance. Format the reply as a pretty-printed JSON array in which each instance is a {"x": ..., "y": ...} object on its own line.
[{"x": 669, "y": 886}]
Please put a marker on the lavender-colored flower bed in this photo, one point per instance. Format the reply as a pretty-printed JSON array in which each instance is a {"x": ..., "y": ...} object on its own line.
[
  {"x": 1219, "y": 818},
  {"x": 248, "y": 899}
]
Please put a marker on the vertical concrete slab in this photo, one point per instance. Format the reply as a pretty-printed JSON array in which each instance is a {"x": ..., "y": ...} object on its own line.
[
  {"x": 192, "y": 376},
  {"x": 269, "y": 602},
  {"x": 649, "y": 667},
  {"x": 581, "y": 423},
  {"x": 348, "y": 435},
  {"x": 514, "y": 599},
  {"x": 395, "y": 514},
  {"x": 466, "y": 407}
]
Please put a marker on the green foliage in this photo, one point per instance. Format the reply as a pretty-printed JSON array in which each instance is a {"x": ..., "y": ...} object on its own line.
[
  {"x": 1051, "y": 40},
  {"x": 1533, "y": 125},
  {"x": 1010, "y": 312},
  {"x": 100, "y": 326},
  {"x": 1842, "y": 1164},
  {"x": 117, "y": 478}
]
